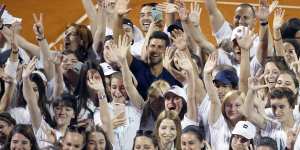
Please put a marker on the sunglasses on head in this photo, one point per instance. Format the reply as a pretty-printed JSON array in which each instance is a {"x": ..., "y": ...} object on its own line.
[{"x": 241, "y": 138}]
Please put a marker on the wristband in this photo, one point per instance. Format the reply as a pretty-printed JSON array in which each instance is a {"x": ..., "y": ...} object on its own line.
[
  {"x": 40, "y": 38},
  {"x": 102, "y": 97}
]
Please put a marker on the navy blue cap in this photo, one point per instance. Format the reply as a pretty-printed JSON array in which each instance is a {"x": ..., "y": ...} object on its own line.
[
  {"x": 127, "y": 22},
  {"x": 176, "y": 25},
  {"x": 227, "y": 77}
]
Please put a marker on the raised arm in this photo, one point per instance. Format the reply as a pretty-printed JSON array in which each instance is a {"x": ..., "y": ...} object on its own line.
[
  {"x": 187, "y": 65},
  {"x": 196, "y": 33},
  {"x": 100, "y": 22},
  {"x": 30, "y": 96},
  {"x": 30, "y": 48},
  {"x": 96, "y": 84},
  {"x": 245, "y": 43},
  {"x": 216, "y": 17},
  {"x": 121, "y": 52},
  {"x": 215, "y": 107},
  {"x": 9, "y": 89},
  {"x": 58, "y": 84},
  {"x": 38, "y": 29},
  {"x": 277, "y": 23},
  {"x": 9, "y": 75},
  {"x": 248, "y": 105}
]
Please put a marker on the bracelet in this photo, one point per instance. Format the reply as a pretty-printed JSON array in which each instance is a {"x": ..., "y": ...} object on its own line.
[
  {"x": 264, "y": 23},
  {"x": 102, "y": 97},
  {"x": 40, "y": 38}
]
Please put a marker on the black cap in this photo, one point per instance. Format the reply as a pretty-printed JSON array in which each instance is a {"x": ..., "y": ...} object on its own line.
[
  {"x": 4, "y": 116},
  {"x": 176, "y": 25}
]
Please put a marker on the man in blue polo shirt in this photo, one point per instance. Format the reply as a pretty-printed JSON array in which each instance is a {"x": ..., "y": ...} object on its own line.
[{"x": 151, "y": 70}]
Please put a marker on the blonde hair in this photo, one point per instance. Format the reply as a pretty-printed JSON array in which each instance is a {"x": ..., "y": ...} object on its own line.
[
  {"x": 159, "y": 86},
  {"x": 232, "y": 95},
  {"x": 172, "y": 115}
]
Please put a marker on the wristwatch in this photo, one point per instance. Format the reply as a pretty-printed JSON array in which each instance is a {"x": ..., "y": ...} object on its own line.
[{"x": 102, "y": 97}]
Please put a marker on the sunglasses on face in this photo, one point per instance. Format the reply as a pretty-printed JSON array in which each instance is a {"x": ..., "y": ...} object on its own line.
[{"x": 241, "y": 138}]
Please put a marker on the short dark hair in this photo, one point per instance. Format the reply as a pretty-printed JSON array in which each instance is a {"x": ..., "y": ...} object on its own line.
[
  {"x": 66, "y": 100},
  {"x": 196, "y": 130},
  {"x": 290, "y": 28},
  {"x": 160, "y": 35},
  {"x": 267, "y": 141},
  {"x": 245, "y": 5},
  {"x": 283, "y": 92},
  {"x": 147, "y": 133},
  {"x": 149, "y": 4}
]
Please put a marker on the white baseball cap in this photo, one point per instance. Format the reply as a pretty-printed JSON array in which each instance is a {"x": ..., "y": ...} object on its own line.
[
  {"x": 9, "y": 19},
  {"x": 107, "y": 69},
  {"x": 238, "y": 32},
  {"x": 177, "y": 91},
  {"x": 245, "y": 129}
]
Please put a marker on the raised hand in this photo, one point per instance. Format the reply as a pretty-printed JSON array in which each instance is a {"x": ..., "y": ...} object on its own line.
[
  {"x": 211, "y": 63},
  {"x": 56, "y": 58},
  {"x": 292, "y": 135},
  {"x": 184, "y": 61},
  {"x": 183, "y": 12},
  {"x": 95, "y": 82},
  {"x": 167, "y": 7},
  {"x": 263, "y": 10},
  {"x": 29, "y": 68},
  {"x": 14, "y": 47},
  {"x": 121, "y": 7},
  {"x": 5, "y": 77},
  {"x": 254, "y": 84},
  {"x": 273, "y": 6},
  {"x": 179, "y": 39},
  {"x": 121, "y": 50},
  {"x": 169, "y": 55},
  {"x": 38, "y": 27},
  {"x": 278, "y": 18},
  {"x": 195, "y": 13},
  {"x": 246, "y": 41}
]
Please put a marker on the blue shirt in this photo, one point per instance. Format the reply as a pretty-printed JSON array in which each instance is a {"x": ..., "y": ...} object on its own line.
[{"x": 145, "y": 78}]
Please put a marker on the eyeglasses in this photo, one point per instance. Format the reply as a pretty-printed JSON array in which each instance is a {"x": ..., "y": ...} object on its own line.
[{"x": 241, "y": 138}]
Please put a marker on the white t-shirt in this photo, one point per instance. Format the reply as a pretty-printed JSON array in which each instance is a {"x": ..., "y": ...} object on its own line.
[
  {"x": 21, "y": 115},
  {"x": 203, "y": 112},
  {"x": 297, "y": 143},
  {"x": 225, "y": 33},
  {"x": 41, "y": 135},
  {"x": 125, "y": 134},
  {"x": 274, "y": 130},
  {"x": 220, "y": 134}
]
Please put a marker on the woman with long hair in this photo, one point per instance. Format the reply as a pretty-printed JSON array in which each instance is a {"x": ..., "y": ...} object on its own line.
[
  {"x": 97, "y": 139},
  {"x": 168, "y": 130},
  {"x": 21, "y": 137}
]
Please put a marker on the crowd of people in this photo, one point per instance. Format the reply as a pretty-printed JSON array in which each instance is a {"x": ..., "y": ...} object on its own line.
[{"x": 160, "y": 85}]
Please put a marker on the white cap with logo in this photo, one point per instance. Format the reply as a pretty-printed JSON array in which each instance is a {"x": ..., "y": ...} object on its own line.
[
  {"x": 9, "y": 19},
  {"x": 177, "y": 91},
  {"x": 107, "y": 69},
  {"x": 245, "y": 129},
  {"x": 238, "y": 32}
]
